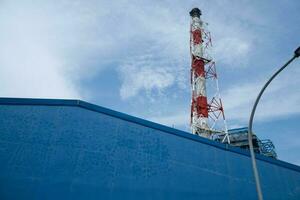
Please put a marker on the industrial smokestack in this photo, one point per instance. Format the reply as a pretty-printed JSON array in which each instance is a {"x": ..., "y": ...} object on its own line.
[{"x": 202, "y": 69}]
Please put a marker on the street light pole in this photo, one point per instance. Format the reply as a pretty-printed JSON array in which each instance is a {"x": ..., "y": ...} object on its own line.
[{"x": 255, "y": 171}]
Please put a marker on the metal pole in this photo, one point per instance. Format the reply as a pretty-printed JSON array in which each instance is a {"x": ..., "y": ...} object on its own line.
[{"x": 255, "y": 171}]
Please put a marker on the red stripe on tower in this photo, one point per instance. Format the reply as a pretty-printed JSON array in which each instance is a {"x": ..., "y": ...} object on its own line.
[
  {"x": 197, "y": 38},
  {"x": 198, "y": 67}
]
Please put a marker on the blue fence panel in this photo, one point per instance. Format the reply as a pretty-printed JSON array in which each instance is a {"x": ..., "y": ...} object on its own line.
[{"x": 70, "y": 149}]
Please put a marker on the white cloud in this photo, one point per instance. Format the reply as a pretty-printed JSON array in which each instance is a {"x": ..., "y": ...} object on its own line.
[
  {"x": 48, "y": 47},
  {"x": 29, "y": 67},
  {"x": 140, "y": 74},
  {"x": 161, "y": 53},
  {"x": 279, "y": 100},
  {"x": 75, "y": 40},
  {"x": 232, "y": 51}
]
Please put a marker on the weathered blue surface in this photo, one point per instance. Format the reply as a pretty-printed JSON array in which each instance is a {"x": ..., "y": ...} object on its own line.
[{"x": 69, "y": 149}]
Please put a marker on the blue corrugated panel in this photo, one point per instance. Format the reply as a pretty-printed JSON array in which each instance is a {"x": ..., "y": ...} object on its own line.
[{"x": 70, "y": 149}]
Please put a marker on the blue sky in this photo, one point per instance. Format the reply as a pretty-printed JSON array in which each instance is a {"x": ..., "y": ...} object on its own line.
[{"x": 133, "y": 56}]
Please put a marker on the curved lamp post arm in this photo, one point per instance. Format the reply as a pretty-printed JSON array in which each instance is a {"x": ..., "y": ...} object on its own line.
[{"x": 255, "y": 172}]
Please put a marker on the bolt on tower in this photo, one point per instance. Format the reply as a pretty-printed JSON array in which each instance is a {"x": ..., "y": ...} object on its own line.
[{"x": 207, "y": 113}]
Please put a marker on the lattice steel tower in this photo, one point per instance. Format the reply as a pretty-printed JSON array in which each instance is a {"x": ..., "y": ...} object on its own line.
[{"x": 207, "y": 113}]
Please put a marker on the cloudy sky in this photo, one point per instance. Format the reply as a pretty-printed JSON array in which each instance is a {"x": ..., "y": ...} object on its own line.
[{"x": 133, "y": 56}]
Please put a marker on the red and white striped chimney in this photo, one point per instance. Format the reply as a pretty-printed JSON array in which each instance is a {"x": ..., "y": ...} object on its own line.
[
  {"x": 207, "y": 111},
  {"x": 199, "y": 107}
]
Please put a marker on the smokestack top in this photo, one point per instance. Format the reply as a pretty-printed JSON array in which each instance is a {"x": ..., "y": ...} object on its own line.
[{"x": 195, "y": 12}]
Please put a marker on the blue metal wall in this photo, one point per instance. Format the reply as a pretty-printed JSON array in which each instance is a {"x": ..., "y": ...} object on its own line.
[{"x": 67, "y": 149}]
